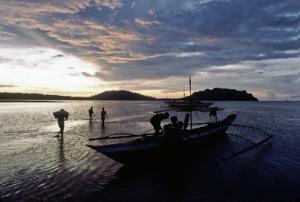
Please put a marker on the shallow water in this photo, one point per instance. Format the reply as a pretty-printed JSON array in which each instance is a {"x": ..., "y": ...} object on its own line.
[{"x": 36, "y": 166}]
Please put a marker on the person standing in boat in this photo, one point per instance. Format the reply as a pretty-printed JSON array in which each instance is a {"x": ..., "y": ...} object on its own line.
[
  {"x": 103, "y": 116},
  {"x": 156, "y": 121},
  {"x": 91, "y": 112}
]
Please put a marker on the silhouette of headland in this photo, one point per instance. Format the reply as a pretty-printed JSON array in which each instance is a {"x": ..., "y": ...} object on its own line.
[
  {"x": 107, "y": 95},
  {"x": 216, "y": 94},
  {"x": 222, "y": 94},
  {"x": 120, "y": 95}
]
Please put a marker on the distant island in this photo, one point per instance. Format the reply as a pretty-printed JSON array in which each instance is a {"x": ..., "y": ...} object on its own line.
[
  {"x": 120, "y": 95},
  {"x": 107, "y": 95},
  {"x": 36, "y": 96},
  {"x": 222, "y": 94},
  {"x": 216, "y": 94}
]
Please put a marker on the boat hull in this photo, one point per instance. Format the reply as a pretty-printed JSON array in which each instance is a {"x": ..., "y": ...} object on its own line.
[
  {"x": 184, "y": 105},
  {"x": 152, "y": 150}
]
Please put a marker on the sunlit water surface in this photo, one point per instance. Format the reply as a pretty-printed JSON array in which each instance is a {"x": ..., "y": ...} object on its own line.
[{"x": 36, "y": 166}]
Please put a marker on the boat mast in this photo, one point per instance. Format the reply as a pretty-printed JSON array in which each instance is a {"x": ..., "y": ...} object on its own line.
[
  {"x": 190, "y": 83},
  {"x": 191, "y": 112}
]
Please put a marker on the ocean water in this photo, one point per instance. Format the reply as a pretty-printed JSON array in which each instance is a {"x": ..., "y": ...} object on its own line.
[{"x": 37, "y": 166}]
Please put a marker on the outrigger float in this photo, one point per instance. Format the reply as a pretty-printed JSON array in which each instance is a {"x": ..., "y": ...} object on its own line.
[{"x": 147, "y": 148}]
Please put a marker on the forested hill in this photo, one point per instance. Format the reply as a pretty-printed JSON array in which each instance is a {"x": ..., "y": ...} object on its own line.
[
  {"x": 223, "y": 94},
  {"x": 120, "y": 95},
  {"x": 36, "y": 96},
  {"x": 107, "y": 95},
  {"x": 216, "y": 94}
]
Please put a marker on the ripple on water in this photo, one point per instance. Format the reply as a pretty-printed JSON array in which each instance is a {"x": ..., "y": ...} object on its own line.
[{"x": 58, "y": 169}]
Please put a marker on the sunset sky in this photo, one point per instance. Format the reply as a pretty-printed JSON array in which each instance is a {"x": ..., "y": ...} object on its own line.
[{"x": 84, "y": 47}]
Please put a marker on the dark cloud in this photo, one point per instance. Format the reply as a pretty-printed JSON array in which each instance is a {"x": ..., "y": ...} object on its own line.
[
  {"x": 87, "y": 74},
  {"x": 58, "y": 56},
  {"x": 7, "y": 86},
  {"x": 296, "y": 96}
]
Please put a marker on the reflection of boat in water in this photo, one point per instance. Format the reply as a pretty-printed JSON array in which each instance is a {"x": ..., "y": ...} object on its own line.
[{"x": 154, "y": 149}]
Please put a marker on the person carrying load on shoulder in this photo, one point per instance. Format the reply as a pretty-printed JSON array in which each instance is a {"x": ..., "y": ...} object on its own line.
[
  {"x": 156, "y": 121},
  {"x": 61, "y": 117}
]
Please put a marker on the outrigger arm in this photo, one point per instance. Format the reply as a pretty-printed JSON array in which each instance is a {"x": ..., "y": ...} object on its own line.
[{"x": 254, "y": 144}]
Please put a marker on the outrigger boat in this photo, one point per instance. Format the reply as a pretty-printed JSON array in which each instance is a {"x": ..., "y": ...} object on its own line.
[{"x": 150, "y": 148}]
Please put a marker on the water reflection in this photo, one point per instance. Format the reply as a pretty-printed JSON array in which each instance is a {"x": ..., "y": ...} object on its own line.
[
  {"x": 167, "y": 183},
  {"x": 102, "y": 130},
  {"x": 90, "y": 126},
  {"x": 61, "y": 153}
]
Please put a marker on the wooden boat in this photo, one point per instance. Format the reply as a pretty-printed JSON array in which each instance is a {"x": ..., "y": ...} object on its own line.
[
  {"x": 161, "y": 148},
  {"x": 186, "y": 105}
]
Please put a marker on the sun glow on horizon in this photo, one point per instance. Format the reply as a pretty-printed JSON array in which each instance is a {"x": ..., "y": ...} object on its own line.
[{"x": 46, "y": 70}]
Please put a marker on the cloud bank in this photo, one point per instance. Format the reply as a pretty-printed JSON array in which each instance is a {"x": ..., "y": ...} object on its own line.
[{"x": 252, "y": 45}]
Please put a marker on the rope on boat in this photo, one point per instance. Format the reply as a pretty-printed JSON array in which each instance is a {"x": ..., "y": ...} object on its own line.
[
  {"x": 254, "y": 144},
  {"x": 145, "y": 133},
  {"x": 200, "y": 123}
]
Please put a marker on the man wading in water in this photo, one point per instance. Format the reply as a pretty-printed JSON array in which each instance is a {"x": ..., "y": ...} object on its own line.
[
  {"x": 91, "y": 112},
  {"x": 103, "y": 116},
  {"x": 61, "y": 116}
]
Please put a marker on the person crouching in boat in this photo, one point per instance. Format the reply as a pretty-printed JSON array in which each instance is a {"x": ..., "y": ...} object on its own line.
[
  {"x": 173, "y": 129},
  {"x": 156, "y": 121},
  {"x": 176, "y": 124},
  {"x": 173, "y": 136}
]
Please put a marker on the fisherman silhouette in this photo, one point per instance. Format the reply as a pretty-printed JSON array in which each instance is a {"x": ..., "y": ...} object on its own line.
[
  {"x": 156, "y": 121},
  {"x": 103, "y": 116},
  {"x": 61, "y": 116},
  {"x": 176, "y": 124},
  {"x": 91, "y": 112},
  {"x": 174, "y": 127}
]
